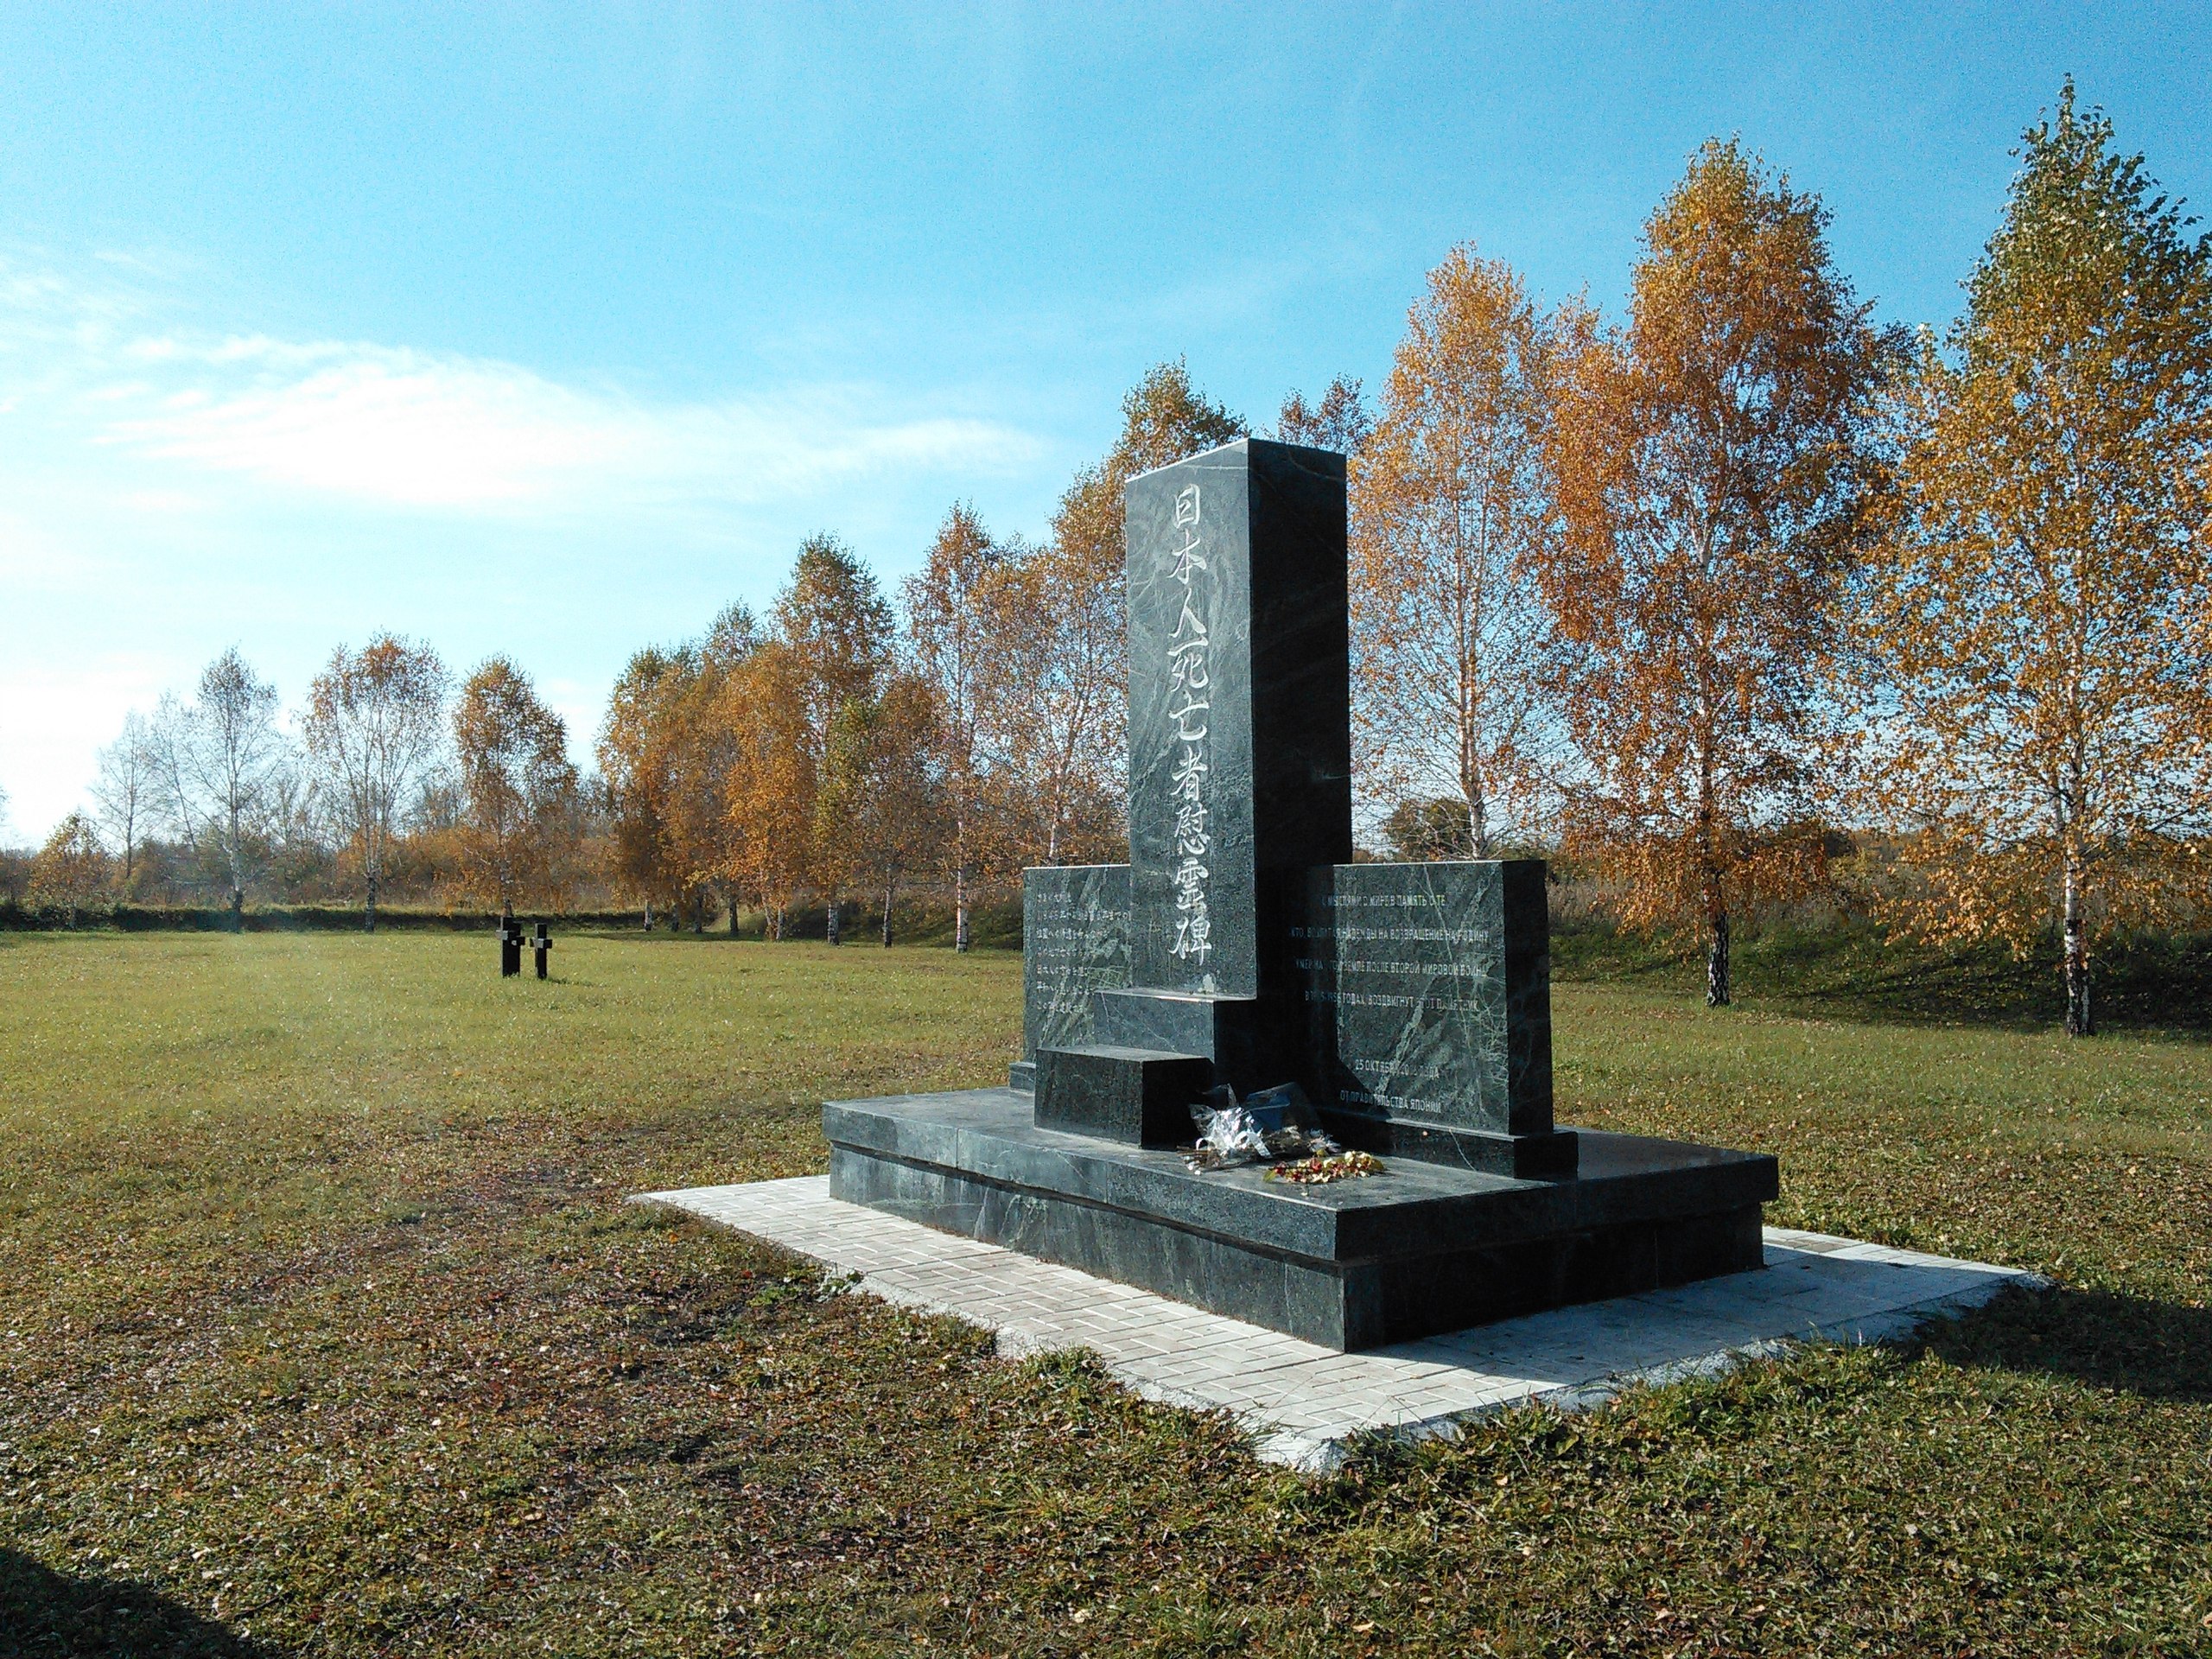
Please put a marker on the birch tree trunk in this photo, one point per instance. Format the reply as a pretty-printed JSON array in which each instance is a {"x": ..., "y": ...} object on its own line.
[
  {"x": 1718, "y": 990},
  {"x": 959, "y": 886},
  {"x": 2078, "y": 1020}
]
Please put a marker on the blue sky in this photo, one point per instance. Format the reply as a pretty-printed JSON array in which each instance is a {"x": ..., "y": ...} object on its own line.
[{"x": 551, "y": 331}]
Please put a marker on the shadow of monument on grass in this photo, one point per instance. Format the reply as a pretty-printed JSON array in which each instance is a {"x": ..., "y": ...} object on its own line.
[
  {"x": 44, "y": 1613},
  {"x": 2159, "y": 1350}
]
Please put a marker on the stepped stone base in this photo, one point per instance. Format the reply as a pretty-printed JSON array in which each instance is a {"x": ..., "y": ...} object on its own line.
[{"x": 1422, "y": 1248}]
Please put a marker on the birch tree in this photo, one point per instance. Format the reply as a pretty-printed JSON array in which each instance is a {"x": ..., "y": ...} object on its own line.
[
  {"x": 636, "y": 752},
  {"x": 1715, "y": 468},
  {"x": 2036, "y": 626},
  {"x": 124, "y": 790},
  {"x": 374, "y": 727},
  {"x": 953, "y": 605},
  {"x": 1452, "y": 514},
  {"x": 518, "y": 786},
  {"x": 839, "y": 631},
  {"x": 1336, "y": 420},
  {"x": 773, "y": 781},
  {"x": 667, "y": 755},
  {"x": 1059, "y": 729},
  {"x": 216, "y": 760},
  {"x": 72, "y": 869},
  {"x": 879, "y": 802}
]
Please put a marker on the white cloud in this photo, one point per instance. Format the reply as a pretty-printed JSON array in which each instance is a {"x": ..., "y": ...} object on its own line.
[
  {"x": 165, "y": 503},
  {"x": 408, "y": 430},
  {"x": 166, "y": 489},
  {"x": 54, "y": 719},
  {"x": 378, "y": 424},
  {"x": 388, "y": 427}
]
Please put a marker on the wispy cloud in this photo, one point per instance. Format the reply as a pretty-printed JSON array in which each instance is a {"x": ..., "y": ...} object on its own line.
[
  {"x": 380, "y": 424},
  {"x": 169, "y": 488},
  {"x": 374, "y": 423}
]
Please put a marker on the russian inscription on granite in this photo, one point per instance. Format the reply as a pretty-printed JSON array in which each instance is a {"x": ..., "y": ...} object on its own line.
[{"x": 1420, "y": 1006}]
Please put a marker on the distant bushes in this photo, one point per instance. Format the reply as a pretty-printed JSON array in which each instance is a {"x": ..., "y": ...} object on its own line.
[
  {"x": 278, "y": 918},
  {"x": 996, "y": 926}
]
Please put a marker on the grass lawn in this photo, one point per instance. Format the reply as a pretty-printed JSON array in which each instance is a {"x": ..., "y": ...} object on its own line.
[{"x": 323, "y": 1330}]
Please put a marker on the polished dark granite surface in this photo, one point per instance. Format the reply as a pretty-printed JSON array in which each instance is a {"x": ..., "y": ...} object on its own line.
[
  {"x": 989, "y": 1132},
  {"x": 1420, "y": 1248},
  {"x": 1138, "y": 1097},
  {"x": 1239, "y": 725},
  {"x": 1427, "y": 989},
  {"x": 1075, "y": 940}
]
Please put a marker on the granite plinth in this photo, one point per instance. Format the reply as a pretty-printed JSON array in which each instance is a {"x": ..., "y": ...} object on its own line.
[
  {"x": 1135, "y": 1095},
  {"x": 1422, "y": 1248}
]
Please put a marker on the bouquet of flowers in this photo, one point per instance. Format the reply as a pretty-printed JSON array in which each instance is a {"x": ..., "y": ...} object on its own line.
[
  {"x": 1324, "y": 1167},
  {"x": 1276, "y": 1126}
]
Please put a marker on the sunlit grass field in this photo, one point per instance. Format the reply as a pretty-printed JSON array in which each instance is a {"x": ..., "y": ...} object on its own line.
[{"x": 323, "y": 1330}]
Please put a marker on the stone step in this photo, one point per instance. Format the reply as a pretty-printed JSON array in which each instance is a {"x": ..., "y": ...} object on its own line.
[{"x": 1137, "y": 1096}]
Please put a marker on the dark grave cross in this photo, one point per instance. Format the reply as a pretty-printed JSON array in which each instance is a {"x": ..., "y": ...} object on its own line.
[
  {"x": 510, "y": 947},
  {"x": 543, "y": 946},
  {"x": 1411, "y": 1001}
]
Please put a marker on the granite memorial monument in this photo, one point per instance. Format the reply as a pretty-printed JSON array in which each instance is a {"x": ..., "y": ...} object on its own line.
[{"x": 1242, "y": 948}]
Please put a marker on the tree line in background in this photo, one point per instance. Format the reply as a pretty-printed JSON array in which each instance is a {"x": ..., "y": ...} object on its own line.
[
  {"x": 386, "y": 774},
  {"x": 1721, "y": 606},
  {"x": 1681, "y": 599}
]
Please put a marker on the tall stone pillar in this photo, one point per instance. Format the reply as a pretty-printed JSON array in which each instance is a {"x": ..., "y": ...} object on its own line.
[{"x": 1239, "y": 748}]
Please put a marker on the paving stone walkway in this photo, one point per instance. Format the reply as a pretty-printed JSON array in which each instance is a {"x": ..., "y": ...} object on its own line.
[{"x": 1304, "y": 1403}]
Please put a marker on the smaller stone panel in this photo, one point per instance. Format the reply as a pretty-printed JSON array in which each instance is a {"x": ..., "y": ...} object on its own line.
[
  {"x": 1075, "y": 940},
  {"x": 1427, "y": 991}
]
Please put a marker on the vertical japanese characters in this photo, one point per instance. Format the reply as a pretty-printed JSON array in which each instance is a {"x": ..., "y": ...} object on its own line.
[{"x": 1190, "y": 678}]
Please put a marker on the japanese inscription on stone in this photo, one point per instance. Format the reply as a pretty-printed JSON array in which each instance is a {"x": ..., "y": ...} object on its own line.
[{"x": 1190, "y": 683}]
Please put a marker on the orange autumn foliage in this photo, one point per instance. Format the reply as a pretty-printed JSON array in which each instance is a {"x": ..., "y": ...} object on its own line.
[
  {"x": 1713, "y": 471},
  {"x": 2036, "y": 631}
]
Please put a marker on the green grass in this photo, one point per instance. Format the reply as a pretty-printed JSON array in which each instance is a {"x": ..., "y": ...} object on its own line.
[
  {"x": 323, "y": 1330},
  {"x": 1848, "y": 965}
]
